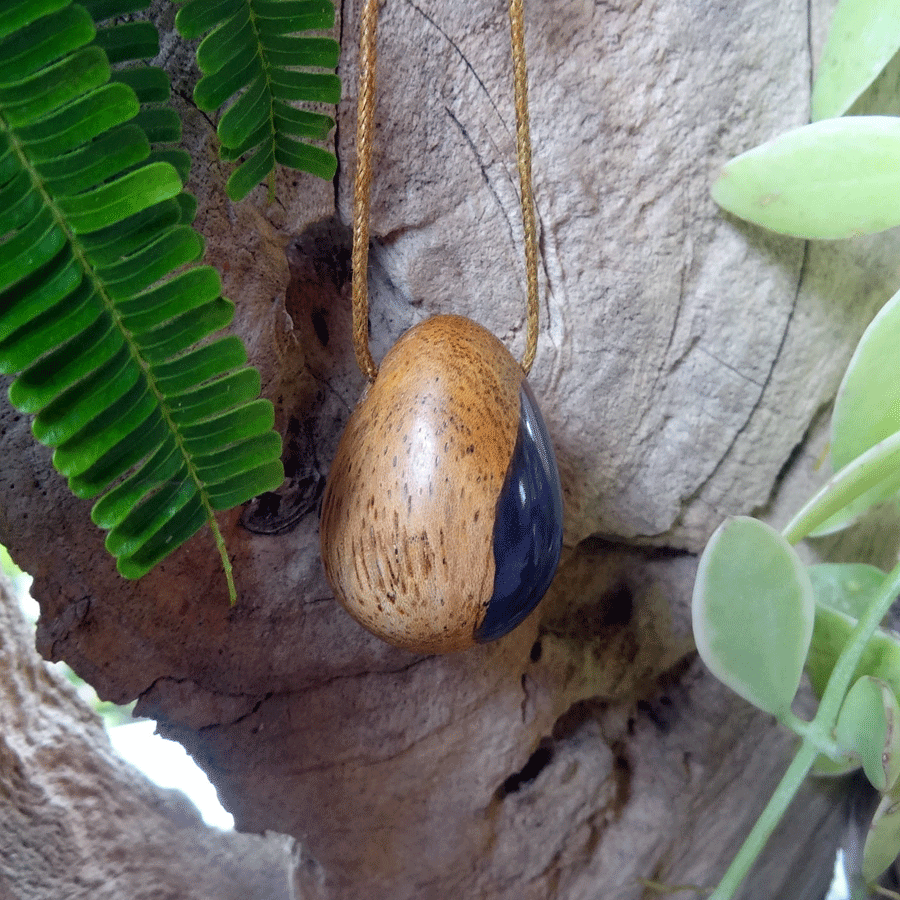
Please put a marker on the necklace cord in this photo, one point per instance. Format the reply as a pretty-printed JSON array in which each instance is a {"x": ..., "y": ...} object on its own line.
[
  {"x": 523, "y": 159},
  {"x": 362, "y": 188}
]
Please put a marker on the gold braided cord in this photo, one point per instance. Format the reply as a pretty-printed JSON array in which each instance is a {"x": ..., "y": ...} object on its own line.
[
  {"x": 362, "y": 189},
  {"x": 523, "y": 158}
]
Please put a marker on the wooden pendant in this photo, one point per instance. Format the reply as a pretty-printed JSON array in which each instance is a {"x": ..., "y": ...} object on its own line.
[{"x": 442, "y": 517}]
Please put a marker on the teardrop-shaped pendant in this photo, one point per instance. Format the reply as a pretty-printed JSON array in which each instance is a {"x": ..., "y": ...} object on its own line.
[{"x": 442, "y": 517}]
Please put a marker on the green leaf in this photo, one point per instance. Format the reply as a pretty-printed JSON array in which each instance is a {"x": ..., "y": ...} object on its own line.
[
  {"x": 864, "y": 426},
  {"x": 149, "y": 83},
  {"x": 30, "y": 99},
  {"x": 91, "y": 472},
  {"x": 72, "y": 410},
  {"x": 215, "y": 468},
  {"x": 44, "y": 41},
  {"x": 845, "y": 587},
  {"x": 198, "y": 16},
  {"x": 79, "y": 122},
  {"x": 101, "y": 10},
  {"x": 56, "y": 369},
  {"x": 185, "y": 291},
  {"x": 864, "y": 36},
  {"x": 144, "y": 520},
  {"x": 130, "y": 194},
  {"x": 251, "y": 56},
  {"x": 175, "y": 248},
  {"x": 107, "y": 156},
  {"x": 305, "y": 158},
  {"x": 753, "y": 613},
  {"x": 170, "y": 339},
  {"x": 129, "y": 40},
  {"x": 301, "y": 123},
  {"x": 178, "y": 528},
  {"x": 288, "y": 50},
  {"x": 97, "y": 326},
  {"x": 21, "y": 15},
  {"x": 867, "y": 408},
  {"x": 200, "y": 365},
  {"x": 211, "y": 91},
  {"x": 159, "y": 469},
  {"x": 225, "y": 42},
  {"x": 851, "y": 491},
  {"x": 869, "y": 725},
  {"x": 313, "y": 87},
  {"x": 119, "y": 422},
  {"x": 35, "y": 295},
  {"x": 232, "y": 491},
  {"x": 52, "y": 327},
  {"x": 216, "y": 397},
  {"x": 840, "y": 598},
  {"x": 162, "y": 126},
  {"x": 883, "y": 839},
  {"x": 114, "y": 243},
  {"x": 249, "y": 174},
  {"x": 251, "y": 111},
  {"x": 296, "y": 15},
  {"x": 231, "y": 428},
  {"x": 833, "y": 179}
]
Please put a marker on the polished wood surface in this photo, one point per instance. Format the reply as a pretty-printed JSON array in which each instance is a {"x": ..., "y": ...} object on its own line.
[{"x": 408, "y": 514}]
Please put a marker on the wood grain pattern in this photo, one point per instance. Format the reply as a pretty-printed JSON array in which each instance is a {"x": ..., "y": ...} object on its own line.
[{"x": 408, "y": 515}]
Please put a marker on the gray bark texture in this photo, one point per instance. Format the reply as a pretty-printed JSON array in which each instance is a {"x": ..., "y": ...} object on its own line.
[{"x": 685, "y": 369}]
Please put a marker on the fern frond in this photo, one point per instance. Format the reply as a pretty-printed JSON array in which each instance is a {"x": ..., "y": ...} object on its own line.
[
  {"x": 255, "y": 50},
  {"x": 103, "y": 326},
  {"x": 127, "y": 46}
]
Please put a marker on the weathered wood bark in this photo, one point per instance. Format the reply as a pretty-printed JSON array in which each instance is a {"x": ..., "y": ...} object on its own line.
[
  {"x": 683, "y": 360},
  {"x": 78, "y": 822}
]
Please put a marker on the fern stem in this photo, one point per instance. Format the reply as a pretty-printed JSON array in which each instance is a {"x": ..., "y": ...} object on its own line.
[{"x": 226, "y": 561}]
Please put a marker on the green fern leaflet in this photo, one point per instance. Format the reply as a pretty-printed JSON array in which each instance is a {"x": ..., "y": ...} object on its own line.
[
  {"x": 255, "y": 50},
  {"x": 100, "y": 320}
]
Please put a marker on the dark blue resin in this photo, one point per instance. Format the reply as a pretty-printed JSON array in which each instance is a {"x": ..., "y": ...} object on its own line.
[{"x": 528, "y": 527}]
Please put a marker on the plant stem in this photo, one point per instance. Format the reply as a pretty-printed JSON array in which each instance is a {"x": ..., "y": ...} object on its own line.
[
  {"x": 877, "y": 466},
  {"x": 823, "y": 723},
  {"x": 822, "y": 741},
  {"x": 226, "y": 562}
]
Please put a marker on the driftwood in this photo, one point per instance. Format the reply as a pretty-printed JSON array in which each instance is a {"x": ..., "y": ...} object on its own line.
[{"x": 684, "y": 368}]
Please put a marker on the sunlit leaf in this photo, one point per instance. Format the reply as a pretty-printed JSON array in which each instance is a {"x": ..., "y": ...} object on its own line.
[
  {"x": 833, "y": 179},
  {"x": 863, "y": 37}
]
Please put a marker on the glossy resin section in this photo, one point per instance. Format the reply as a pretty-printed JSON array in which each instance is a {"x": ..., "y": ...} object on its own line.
[{"x": 528, "y": 527}]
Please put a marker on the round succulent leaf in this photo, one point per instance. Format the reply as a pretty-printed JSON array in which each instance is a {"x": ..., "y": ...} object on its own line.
[
  {"x": 845, "y": 587},
  {"x": 863, "y": 37},
  {"x": 832, "y": 179},
  {"x": 883, "y": 839},
  {"x": 880, "y": 659},
  {"x": 869, "y": 725},
  {"x": 753, "y": 612}
]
